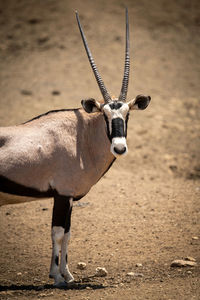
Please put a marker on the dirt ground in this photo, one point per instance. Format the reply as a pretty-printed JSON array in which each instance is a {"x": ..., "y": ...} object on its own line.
[{"x": 146, "y": 208}]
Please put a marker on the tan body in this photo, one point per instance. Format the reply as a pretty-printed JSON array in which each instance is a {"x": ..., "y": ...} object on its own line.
[{"x": 67, "y": 151}]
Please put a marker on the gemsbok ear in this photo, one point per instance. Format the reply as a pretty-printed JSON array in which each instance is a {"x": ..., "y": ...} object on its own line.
[
  {"x": 140, "y": 102},
  {"x": 91, "y": 105}
]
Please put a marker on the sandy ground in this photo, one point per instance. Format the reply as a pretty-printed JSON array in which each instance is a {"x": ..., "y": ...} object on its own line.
[{"x": 146, "y": 208}]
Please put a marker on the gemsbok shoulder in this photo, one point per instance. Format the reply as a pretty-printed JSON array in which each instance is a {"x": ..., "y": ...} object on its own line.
[{"x": 63, "y": 153}]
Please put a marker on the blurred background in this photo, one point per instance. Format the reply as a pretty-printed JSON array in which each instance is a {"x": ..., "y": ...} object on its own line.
[
  {"x": 41, "y": 52},
  {"x": 43, "y": 64}
]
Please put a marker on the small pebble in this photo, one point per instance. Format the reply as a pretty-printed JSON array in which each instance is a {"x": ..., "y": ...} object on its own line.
[
  {"x": 46, "y": 295},
  {"x": 43, "y": 295},
  {"x": 7, "y": 293},
  {"x": 195, "y": 238},
  {"x": 138, "y": 265},
  {"x": 101, "y": 272},
  {"x": 36, "y": 279},
  {"x": 190, "y": 258},
  {"x": 173, "y": 168},
  {"x": 33, "y": 21},
  {"x": 43, "y": 39},
  {"x": 132, "y": 274},
  {"x": 55, "y": 93},
  {"x": 26, "y": 92},
  {"x": 183, "y": 263},
  {"x": 81, "y": 266}
]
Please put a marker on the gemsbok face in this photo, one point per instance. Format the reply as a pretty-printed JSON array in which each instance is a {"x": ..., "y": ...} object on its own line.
[
  {"x": 116, "y": 115},
  {"x": 116, "y": 112}
]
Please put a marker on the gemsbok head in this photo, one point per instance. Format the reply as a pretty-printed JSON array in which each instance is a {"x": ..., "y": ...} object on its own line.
[{"x": 115, "y": 111}]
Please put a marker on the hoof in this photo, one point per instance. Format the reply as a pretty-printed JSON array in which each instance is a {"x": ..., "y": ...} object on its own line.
[
  {"x": 61, "y": 284},
  {"x": 68, "y": 278},
  {"x": 59, "y": 281}
]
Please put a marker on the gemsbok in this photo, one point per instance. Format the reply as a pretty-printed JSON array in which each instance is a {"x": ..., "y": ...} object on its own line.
[{"x": 63, "y": 153}]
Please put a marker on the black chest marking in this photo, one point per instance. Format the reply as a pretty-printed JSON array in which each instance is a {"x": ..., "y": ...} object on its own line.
[
  {"x": 10, "y": 187},
  {"x": 126, "y": 124}
]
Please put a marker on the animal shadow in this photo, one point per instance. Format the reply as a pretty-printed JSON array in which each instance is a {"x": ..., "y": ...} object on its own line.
[{"x": 31, "y": 287}]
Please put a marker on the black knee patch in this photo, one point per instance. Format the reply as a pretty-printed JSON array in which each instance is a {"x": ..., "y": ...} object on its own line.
[
  {"x": 68, "y": 220},
  {"x": 56, "y": 260},
  {"x": 61, "y": 210}
]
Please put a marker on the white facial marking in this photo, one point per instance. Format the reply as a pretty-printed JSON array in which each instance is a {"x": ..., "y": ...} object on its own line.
[
  {"x": 119, "y": 143},
  {"x": 108, "y": 112},
  {"x": 118, "y": 146},
  {"x": 116, "y": 113}
]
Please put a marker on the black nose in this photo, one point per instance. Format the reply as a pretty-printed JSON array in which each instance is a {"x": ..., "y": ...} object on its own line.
[{"x": 120, "y": 151}]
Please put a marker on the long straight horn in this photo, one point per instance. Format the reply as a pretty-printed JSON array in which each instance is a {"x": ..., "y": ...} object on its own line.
[
  {"x": 100, "y": 82},
  {"x": 124, "y": 89}
]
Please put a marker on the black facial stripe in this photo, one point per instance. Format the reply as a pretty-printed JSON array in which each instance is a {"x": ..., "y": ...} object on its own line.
[
  {"x": 117, "y": 128},
  {"x": 107, "y": 125},
  {"x": 126, "y": 124},
  {"x": 115, "y": 105}
]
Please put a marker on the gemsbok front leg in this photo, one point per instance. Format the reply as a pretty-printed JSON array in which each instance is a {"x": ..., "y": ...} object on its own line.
[{"x": 61, "y": 222}]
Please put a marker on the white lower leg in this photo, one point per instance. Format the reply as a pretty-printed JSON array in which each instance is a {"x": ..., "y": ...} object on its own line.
[
  {"x": 64, "y": 270},
  {"x": 57, "y": 238}
]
